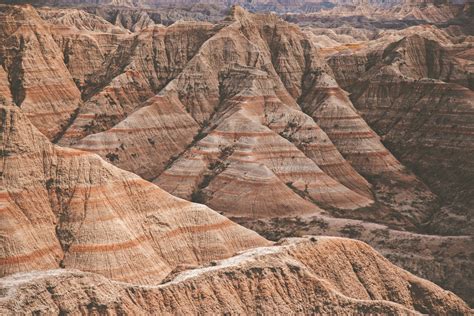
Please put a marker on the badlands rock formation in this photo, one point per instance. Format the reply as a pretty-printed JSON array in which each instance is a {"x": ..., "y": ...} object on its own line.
[
  {"x": 203, "y": 101},
  {"x": 307, "y": 276},
  {"x": 66, "y": 208},
  {"x": 247, "y": 115},
  {"x": 39, "y": 81},
  {"x": 264, "y": 5},
  {"x": 138, "y": 69},
  {"x": 207, "y": 107},
  {"x": 207, "y": 127},
  {"x": 417, "y": 94}
]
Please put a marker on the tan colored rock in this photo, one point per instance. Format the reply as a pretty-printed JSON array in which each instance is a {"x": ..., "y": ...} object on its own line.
[
  {"x": 5, "y": 93},
  {"x": 307, "y": 78},
  {"x": 133, "y": 20},
  {"x": 84, "y": 39},
  {"x": 79, "y": 20},
  {"x": 311, "y": 275},
  {"x": 138, "y": 69},
  {"x": 240, "y": 154},
  {"x": 411, "y": 95},
  {"x": 245, "y": 116},
  {"x": 68, "y": 208},
  {"x": 39, "y": 80},
  {"x": 332, "y": 109},
  {"x": 145, "y": 140},
  {"x": 433, "y": 133},
  {"x": 208, "y": 96}
]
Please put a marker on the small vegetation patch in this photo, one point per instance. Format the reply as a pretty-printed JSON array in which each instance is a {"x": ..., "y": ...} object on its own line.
[
  {"x": 112, "y": 157},
  {"x": 352, "y": 231}
]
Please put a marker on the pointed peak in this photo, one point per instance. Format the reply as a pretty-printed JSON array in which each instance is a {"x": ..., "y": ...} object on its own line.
[
  {"x": 237, "y": 12},
  {"x": 413, "y": 38}
]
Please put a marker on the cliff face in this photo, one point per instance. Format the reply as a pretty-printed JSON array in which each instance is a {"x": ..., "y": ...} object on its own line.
[
  {"x": 311, "y": 275},
  {"x": 236, "y": 106},
  {"x": 67, "y": 208},
  {"x": 416, "y": 93},
  {"x": 227, "y": 115},
  {"x": 84, "y": 39},
  {"x": 140, "y": 67},
  {"x": 38, "y": 79},
  {"x": 246, "y": 116}
]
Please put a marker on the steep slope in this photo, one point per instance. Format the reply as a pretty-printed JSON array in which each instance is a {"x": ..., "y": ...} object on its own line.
[
  {"x": 213, "y": 97},
  {"x": 5, "y": 93},
  {"x": 138, "y": 69},
  {"x": 430, "y": 126},
  {"x": 39, "y": 81},
  {"x": 144, "y": 141},
  {"x": 84, "y": 39},
  {"x": 311, "y": 275},
  {"x": 206, "y": 129},
  {"x": 404, "y": 95},
  {"x": 245, "y": 116},
  {"x": 67, "y": 208},
  {"x": 175, "y": 61},
  {"x": 444, "y": 260},
  {"x": 133, "y": 20},
  {"x": 308, "y": 80},
  {"x": 79, "y": 20},
  {"x": 388, "y": 13},
  {"x": 332, "y": 110},
  {"x": 418, "y": 57},
  {"x": 249, "y": 145}
]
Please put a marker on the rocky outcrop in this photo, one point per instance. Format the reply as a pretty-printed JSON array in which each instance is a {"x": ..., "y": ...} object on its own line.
[
  {"x": 331, "y": 108},
  {"x": 412, "y": 94},
  {"x": 38, "y": 79},
  {"x": 429, "y": 126},
  {"x": 444, "y": 260},
  {"x": 191, "y": 105},
  {"x": 5, "y": 92},
  {"x": 145, "y": 140},
  {"x": 243, "y": 115},
  {"x": 68, "y": 208},
  {"x": 306, "y": 6},
  {"x": 229, "y": 125},
  {"x": 84, "y": 39},
  {"x": 139, "y": 68},
  {"x": 79, "y": 19},
  {"x": 133, "y": 20},
  {"x": 310, "y": 275},
  {"x": 378, "y": 19},
  {"x": 417, "y": 57},
  {"x": 233, "y": 114},
  {"x": 261, "y": 151}
]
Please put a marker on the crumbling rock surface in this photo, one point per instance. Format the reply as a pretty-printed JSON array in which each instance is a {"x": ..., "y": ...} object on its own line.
[
  {"x": 211, "y": 96},
  {"x": 138, "y": 69},
  {"x": 68, "y": 208},
  {"x": 307, "y": 275},
  {"x": 445, "y": 260},
  {"x": 38, "y": 79},
  {"x": 246, "y": 116},
  {"x": 416, "y": 95}
]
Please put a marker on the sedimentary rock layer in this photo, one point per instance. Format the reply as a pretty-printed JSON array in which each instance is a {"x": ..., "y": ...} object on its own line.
[
  {"x": 310, "y": 275},
  {"x": 84, "y": 39},
  {"x": 138, "y": 69},
  {"x": 38, "y": 79},
  {"x": 67, "y": 208},
  {"x": 444, "y": 260},
  {"x": 240, "y": 103},
  {"x": 252, "y": 145},
  {"x": 415, "y": 94},
  {"x": 245, "y": 116}
]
